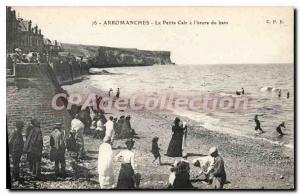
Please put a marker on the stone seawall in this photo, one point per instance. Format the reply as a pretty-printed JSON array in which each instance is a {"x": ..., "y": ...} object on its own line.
[
  {"x": 66, "y": 72},
  {"x": 29, "y": 94}
]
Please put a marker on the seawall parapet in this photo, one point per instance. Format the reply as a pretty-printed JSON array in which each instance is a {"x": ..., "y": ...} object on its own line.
[{"x": 29, "y": 94}]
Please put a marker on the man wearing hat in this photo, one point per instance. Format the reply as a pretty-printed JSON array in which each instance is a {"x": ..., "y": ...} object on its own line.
[
  {"x": 217, "y": 170},
  {"x": 16, "y": 144},
  {"x": 57, "y": 154},
  {"x": 34, "y": 148}
]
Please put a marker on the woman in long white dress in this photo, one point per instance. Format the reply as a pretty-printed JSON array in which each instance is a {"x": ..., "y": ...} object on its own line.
[{"x": 105, "y": 166}]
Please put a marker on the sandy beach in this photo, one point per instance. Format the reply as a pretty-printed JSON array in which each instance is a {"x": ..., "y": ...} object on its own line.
[{"x": 249, "y": 163}]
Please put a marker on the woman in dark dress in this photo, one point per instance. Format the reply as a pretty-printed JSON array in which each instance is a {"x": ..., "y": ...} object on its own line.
[
  {"x": 182, "y": 175},
  {"x": 175, "y": 145},
  {"x": 126, "y": 131}
]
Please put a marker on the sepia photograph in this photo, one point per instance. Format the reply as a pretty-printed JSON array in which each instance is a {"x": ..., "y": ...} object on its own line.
[{"x": 150, "y": 98}]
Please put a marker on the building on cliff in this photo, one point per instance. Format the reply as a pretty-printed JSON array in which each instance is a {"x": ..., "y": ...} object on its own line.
[
  {"x": 110, "y": 57},
  {"x": 21, "y": 34}
]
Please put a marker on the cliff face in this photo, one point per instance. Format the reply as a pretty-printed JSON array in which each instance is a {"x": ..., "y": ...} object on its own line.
[
  {"x": 100, "y": 56},
  {"x": 109, "y": 56}
]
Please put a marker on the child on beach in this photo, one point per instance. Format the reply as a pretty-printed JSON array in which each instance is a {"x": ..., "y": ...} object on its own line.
[{"x": 155, "y": 150}]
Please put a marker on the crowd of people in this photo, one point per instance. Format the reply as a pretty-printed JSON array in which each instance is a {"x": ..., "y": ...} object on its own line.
[
  {"x": 21, "y": 57},
  {"x": 109, "y": 130},
  {"x": 96, "y": 124}
]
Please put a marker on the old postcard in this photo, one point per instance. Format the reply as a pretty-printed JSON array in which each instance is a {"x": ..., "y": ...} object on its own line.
[{"x": 159, "y": 98}]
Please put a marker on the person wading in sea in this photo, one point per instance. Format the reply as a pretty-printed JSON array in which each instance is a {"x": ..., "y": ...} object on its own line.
[
  {"x": 257, "y": 124},
  {"x": 279, "y": 130},
  {"x": 279, "y": 93},
  {"x": 118, "y": 93}
]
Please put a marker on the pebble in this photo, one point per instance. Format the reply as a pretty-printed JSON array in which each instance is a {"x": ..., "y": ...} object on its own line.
[{"x": 281, "y": 176}]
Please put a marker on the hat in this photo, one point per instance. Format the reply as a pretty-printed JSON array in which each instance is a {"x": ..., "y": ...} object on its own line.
[
  {"x": 18, "y": 50},
  {"x": 35, "y": 122},
  {"x": 196, "y": 163},
  {"x": 19, "y": 124},
  {"x": 177, "y": 120},
  {"x": 155, "y": 139},
  {"x": 129, "y": 143},
  {"x": 213, "y": 150},
  {"x": 58, "y": 124}
]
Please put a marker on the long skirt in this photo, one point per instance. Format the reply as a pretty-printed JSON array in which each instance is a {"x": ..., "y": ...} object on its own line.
[
  {"x": 105, "y": 167},
  {"x": 182, "y": 181},
  {"x": 175, "y": 146},
  {"x": 126, "y": 177},
  {"x": 106, "y": 182}
]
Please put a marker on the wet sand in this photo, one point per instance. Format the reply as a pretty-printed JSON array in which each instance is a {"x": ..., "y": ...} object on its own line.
[{"x": 249, "y": 163}]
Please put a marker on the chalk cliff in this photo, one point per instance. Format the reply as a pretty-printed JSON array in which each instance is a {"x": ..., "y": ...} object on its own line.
[
  {"x": 101, "y": 56},
  {"x": 109, "y": 56}
]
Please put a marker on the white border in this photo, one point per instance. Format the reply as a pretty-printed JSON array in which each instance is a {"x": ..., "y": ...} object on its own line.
[{"x": 4, "y": 3}]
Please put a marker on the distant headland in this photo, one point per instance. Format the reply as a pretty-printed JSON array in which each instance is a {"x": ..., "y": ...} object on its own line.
[{"x": 102, "y": 56}]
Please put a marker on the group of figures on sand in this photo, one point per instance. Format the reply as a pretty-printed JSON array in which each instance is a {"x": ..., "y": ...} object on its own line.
[
  {"x": 128, "y": 177},
  {"x": 32, "y": 147},
  {"x": 211, "y": 166},
  {"x": 121, "y": 127},
  {"x": 108, "y": 130},
  {"x": 31, "y": 144}
]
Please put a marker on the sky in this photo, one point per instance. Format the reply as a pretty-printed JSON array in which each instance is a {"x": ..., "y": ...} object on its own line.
[{"x": 250, "y": 36}]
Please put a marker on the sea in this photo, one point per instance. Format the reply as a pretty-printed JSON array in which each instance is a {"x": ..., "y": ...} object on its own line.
[{"x": 261, "y": 83}]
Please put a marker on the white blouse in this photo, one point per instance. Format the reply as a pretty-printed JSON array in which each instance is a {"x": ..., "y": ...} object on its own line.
[{"x": 128, "y": 157}]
